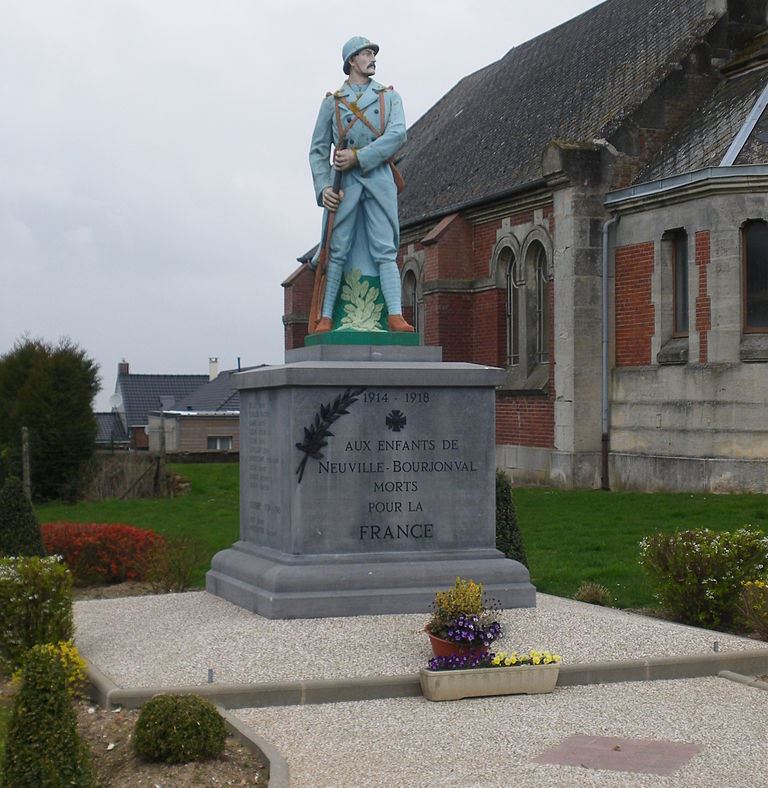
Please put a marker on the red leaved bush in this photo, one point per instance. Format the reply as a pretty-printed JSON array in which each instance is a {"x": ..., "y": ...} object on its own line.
[{"x": 102, "y": 552}]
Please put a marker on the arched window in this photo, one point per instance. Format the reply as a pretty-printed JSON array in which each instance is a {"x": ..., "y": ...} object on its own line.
[
  {"x": 755, "y": 276},
  {"x": 512, "y": 284},
  {"x": 537, "y": 265},
  {"x": 411, "y": 306}
]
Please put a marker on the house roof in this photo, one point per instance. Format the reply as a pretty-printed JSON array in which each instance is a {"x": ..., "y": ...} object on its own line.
[
  {"x": 215, "y": 395},
  {"x": 109, "y": 428},
  {"x": 576, "y": 82},
  {"x": 706, "y": 136},
  {"x": 144, "y": 393}
]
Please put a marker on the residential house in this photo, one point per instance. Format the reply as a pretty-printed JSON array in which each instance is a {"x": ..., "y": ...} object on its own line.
[
  {"x": 205, "y": 421},
  {"x": 136, "y": 395}
]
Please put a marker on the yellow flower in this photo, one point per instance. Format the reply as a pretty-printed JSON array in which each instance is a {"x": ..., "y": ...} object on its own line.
[{"x": 536, "y": 660}]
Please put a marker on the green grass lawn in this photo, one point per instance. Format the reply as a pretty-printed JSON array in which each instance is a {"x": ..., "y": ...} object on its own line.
[
  {"x": 576, "y": 535},
  {"x": 570, "y": 535},
  {"x": 209, "y": 513}
]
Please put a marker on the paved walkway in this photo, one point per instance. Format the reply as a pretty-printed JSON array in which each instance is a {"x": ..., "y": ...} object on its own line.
[
  {"x": 490, "y": 742},
  {"x": 166, "y": 641},
  {"x": 174, "y": 640}
]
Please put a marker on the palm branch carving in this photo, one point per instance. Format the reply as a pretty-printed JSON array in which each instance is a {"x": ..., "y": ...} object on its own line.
[{"x": 315, "y": 435}]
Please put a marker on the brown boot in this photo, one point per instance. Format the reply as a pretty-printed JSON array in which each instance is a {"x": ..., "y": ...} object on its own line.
[
  {"x": 323, "y": 325},
  {"x": 397, "y": 323}
]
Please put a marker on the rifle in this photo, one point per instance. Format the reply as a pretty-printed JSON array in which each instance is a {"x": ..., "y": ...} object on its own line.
[{"x": 318, "y": 291}]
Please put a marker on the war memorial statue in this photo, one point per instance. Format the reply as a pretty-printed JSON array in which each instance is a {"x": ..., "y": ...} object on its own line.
[
  {"x": 364, "y": 122},
  {"x": 367, "y": 463}
]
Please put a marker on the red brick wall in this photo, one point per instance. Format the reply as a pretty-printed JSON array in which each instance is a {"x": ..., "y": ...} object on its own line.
[
  {"x": 525, "y": 421},
  {"x": 449, "y": 324},
  {"x": 489, "y": 328},
  {"x": 703, "y": 303},
  {"x": 635, "y": 311},
  {"x": 530, "y": 420},
  {"x": 297, "y": 298},
  {"x": 449, "y": 255}
]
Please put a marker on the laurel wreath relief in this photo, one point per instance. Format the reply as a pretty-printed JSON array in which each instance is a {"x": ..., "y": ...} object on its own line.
[{"x": 315, "y": 435}]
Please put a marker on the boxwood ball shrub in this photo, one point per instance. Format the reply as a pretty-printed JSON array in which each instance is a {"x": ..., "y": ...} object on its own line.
[
  {"x": 699, "y": 574},
  {"x": 42, "y": 745},
  {"x": 35, "y": 606},
  {"x": 179, "y": 729}
]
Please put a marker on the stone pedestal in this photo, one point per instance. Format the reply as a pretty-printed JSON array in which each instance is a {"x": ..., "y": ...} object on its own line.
[{"x": 366, "y": 484}]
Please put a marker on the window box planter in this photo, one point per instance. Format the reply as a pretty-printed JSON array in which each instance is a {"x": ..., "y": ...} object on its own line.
[{"x": 483, "y": 682}]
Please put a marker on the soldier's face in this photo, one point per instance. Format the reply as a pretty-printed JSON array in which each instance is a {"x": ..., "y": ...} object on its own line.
[{"x": 364, "y": 62}]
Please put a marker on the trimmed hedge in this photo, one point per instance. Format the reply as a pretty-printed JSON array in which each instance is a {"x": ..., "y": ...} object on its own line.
[
  {"x": 35, "y": 606},
  {"x": 179, "y": 729},
  {"x": 42, "y": 747},
  {"x": 102, "y": 552}
]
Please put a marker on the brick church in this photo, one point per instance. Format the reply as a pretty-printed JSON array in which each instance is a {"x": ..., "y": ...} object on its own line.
[{"x": 590, "y": 213}]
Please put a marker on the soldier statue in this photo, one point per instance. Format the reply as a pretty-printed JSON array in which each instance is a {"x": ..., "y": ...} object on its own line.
[{"x": 364, "y": 121}]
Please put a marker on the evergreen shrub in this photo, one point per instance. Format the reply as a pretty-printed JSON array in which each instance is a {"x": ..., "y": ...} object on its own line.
[
  {"x": 102, "y": 552},
  {"x": 42, "y": 746},
  {"x": 509, "y": 540},
  {"x": 179, "y": 729},
  {"x": 35, "y": 606},
  {"x": 19, "y": 529},
  {"x": 71, "y": 662},
  {"x": 699, "y": 574}
]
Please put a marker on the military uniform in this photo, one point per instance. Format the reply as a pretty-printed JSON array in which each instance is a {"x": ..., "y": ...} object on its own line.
[{"x": 366, "y": 231}]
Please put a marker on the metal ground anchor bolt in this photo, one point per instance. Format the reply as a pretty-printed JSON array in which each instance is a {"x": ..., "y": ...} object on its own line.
[
  {"x": 210, "y": 675},
  {"x": 716, "y": 646}
]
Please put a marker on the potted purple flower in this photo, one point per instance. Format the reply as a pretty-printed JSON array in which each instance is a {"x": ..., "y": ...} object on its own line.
[{"x": 463, "y": 621}]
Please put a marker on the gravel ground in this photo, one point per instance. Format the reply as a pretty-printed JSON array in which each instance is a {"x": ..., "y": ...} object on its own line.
[
  {"x": 174, "y": 639},
  {"x": 489, "y": 742}
]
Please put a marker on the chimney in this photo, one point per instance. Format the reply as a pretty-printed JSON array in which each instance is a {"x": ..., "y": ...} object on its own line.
[
  {"x": 122, "y": 368},
  {"x": 213, "y": 367}
]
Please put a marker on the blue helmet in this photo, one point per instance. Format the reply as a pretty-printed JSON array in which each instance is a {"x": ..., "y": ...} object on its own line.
[{"x": 353, "y": 46}]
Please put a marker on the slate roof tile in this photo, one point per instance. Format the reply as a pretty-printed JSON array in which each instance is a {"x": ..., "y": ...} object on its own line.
[
  {"x": 217, "y": 394},
  {"x": 144, "y": 393},
  {"x": 705, "y": 137},
  {"x": 576, "y": 82},
  {"x": 109, "y": 428}
]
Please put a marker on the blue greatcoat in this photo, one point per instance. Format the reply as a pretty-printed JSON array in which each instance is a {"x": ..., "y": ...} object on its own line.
[{"x": 366, "y": 231}]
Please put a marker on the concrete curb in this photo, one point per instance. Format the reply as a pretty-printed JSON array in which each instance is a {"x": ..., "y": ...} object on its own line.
[
  {"x": 299, "y": 693},
  {"x": 749, "y": 681},
  {"x": 279, "y": 774},
  {"x": 664, "y": 668}
]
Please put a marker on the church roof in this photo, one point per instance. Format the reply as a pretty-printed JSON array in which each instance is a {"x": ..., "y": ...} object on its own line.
[
  {"x": 577, "y": 82},
  {"x": 703, "y": 140}
]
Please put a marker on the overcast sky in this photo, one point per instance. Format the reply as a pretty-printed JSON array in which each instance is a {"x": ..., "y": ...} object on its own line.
[{"x": 154, "y": 184}]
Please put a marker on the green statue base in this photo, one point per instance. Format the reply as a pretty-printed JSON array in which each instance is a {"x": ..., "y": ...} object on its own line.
[
  {"x": 360, "y": 316},
  {"x": 348, "y": 337}
]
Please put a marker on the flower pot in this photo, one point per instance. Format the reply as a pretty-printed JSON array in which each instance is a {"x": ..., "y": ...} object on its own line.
[
  {"x": 447, "y": 648},
  {"x": 482, "y": 682}
]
